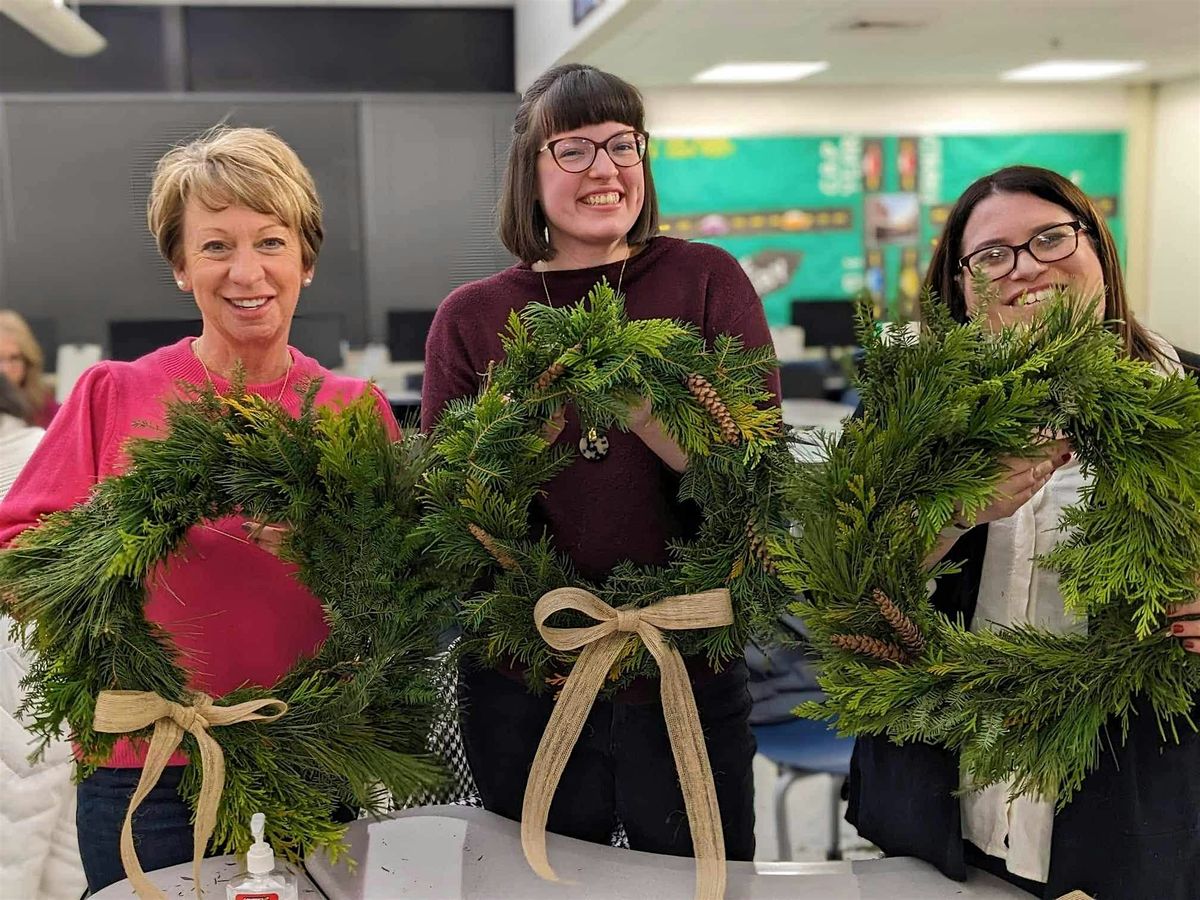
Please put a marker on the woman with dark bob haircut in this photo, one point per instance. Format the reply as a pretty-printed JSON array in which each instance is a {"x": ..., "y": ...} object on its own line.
[
  {"x": 579, "y": 205},
  {"x": 1133, "y": 829}
]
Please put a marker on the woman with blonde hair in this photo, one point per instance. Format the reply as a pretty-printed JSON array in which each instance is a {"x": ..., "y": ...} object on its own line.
[
  {"x": 22, "y": 363},
  {"x": 236, "y": 215}
]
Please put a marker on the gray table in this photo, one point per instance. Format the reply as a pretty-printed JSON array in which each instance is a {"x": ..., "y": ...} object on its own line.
[
  {"x": 176, "y": 882},
  {"x": 411, "y": 864}
]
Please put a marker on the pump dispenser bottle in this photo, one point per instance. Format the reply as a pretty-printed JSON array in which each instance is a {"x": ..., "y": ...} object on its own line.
[{"x": 262, "y": 880}]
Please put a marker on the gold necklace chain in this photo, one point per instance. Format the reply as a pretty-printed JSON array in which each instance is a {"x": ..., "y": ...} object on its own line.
[
  {"x": 620, "y": 275},
  {"x": 208, "y": 374},
  {"x": 593, "y": 444}
]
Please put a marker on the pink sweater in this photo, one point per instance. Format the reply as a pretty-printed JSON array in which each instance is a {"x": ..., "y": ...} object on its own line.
[{"x": 235, "y": 612}]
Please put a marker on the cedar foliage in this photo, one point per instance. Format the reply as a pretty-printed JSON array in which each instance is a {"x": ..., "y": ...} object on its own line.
[
  {"x": 939, "y": 410},
  {"x": 359, "y": 712},
  {"x": 491, "y": 464}
]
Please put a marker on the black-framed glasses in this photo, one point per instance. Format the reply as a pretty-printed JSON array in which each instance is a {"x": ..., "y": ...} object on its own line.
[
  {"x": 1055, "y": 243},
  {"x": 576, "y": 154}
]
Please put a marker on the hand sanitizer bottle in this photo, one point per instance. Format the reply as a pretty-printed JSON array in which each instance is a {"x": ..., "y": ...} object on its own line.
[{"x": 262, "y": 880}]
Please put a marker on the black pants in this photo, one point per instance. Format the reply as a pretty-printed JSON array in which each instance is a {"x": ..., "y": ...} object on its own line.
[{"x": 621, "y": 769}]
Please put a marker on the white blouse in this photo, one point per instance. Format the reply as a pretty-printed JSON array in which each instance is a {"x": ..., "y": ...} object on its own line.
[{"x": 1013, "y": 590}]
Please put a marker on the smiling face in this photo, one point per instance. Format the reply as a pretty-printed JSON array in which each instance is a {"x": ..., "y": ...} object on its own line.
[
  {"x": 1014, "y": 218},
  {"x": 244, "y": 268},
  {"x": 589, "y": 213}
]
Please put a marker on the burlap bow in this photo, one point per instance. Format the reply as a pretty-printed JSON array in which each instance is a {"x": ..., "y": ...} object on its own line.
[
  {"x": 124, "y": 712},
  {"x": 602, "y": 644}
]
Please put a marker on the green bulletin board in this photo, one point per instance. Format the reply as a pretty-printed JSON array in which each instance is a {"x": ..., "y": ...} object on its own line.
[{"x": 820, "y": 218}]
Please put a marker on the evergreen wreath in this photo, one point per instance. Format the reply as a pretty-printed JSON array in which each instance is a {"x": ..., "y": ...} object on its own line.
[
  {"x": 359, "y": 711},
  {"x": 939, "y": 409},
  {"x": 491, "y": 462}
]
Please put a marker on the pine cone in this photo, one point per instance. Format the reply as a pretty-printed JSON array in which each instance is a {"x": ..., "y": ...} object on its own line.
[
  {"x": 910, "y": 636},
  {"x": 489, "y": 543},
  {"x": 555, "y": 371},
  {"x": 704, "y": 392},
  {"x": 550, "y": 376},
  {"x": 758, "y": 547},
  {"x": 869, "y": 646}
]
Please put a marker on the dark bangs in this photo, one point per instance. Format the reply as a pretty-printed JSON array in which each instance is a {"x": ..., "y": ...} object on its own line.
[
  {"x": 587, "y": 96},
  {"x": 563, "y": 99}
]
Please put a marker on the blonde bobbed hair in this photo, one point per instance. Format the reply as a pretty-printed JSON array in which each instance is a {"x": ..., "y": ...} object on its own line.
[{"x": 224, "y": 167}]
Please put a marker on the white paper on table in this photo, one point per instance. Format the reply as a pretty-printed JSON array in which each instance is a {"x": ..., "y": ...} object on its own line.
[{"x": 417, "y": 856}]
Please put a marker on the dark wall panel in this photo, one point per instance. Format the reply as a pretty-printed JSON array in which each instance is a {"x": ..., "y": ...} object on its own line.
[
  {"x": 133, "y": 60},
  {"x": 74, "y": 238},
  {"x": 431, "y": 181},
  {"x": 349, "y": 49},
  {"x": 271, "y": 48}
]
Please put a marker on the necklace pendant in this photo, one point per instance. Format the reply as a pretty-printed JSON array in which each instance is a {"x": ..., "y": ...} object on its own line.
[{"x": 594, "y": 445}]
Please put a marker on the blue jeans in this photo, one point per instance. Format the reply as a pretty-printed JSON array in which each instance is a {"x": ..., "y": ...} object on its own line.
[{"x": 162, "y": 828}]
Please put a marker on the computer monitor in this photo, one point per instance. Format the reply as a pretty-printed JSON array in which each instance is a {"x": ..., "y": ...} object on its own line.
[
  {"x": 803, "y": 379},
  {"x": 129, "y": 339},
  {"x": 319, "y": 335},
  {"x": 406, "y": 333},
  {"x": 826, "y": 323}
]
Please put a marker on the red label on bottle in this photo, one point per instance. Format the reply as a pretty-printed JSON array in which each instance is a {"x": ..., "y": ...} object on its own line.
[{"x": 257, "y": 895}]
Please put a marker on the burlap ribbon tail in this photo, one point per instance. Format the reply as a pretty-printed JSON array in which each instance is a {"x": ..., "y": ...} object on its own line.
[
  {"x": 602, "y": 645},
  {"x": 125, "y": 712}
]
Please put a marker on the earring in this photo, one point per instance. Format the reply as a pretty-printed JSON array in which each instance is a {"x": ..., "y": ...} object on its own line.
[
  {"x": 307, "y": 282},
  {"x": 180, "y": 283}
]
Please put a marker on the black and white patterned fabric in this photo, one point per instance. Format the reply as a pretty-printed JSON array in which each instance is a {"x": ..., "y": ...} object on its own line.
[{"x": 445, "y": 742}]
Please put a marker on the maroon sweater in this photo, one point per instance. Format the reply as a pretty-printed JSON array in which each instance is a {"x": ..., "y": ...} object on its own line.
[{"x": 623, "y": 507}]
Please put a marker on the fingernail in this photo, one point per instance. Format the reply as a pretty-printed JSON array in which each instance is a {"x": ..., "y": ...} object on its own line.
[
  {"x": 1177, "y": 628},
  {"x": 246, "y": 526},
  {"x": 1066, "y": 457},
  {"x": 1192, "y": 645}
]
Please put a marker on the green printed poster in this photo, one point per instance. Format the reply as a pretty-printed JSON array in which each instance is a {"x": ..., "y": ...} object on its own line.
[
  {"x": 1093, "y": 161},
  {"x": 820, "y": 218},
  {"x": 788, "y": 208}
]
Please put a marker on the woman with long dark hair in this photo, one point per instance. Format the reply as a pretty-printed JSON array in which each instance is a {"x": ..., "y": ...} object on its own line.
[{"x": 1133, "y": 829}]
